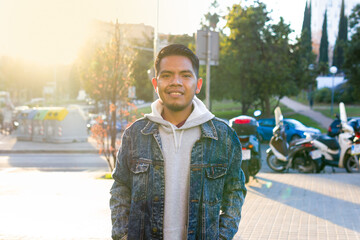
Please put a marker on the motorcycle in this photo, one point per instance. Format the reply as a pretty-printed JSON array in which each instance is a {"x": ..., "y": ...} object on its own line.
[
  {"x": 246, "y": 129},
  {"x": 341, "y": 151},
  {"x": 298, "y": 155}
]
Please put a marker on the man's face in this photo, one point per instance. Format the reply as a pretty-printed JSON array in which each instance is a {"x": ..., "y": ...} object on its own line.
[{"x": 176, "y": 83}]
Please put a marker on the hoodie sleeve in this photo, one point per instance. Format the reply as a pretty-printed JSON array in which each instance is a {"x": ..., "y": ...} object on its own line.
[
  {"x": 234, "y": 192},
  {"x": 121, "y": 192}
]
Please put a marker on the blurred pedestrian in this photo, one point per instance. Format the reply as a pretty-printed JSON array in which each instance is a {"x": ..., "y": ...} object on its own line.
[
  {"x": 7, "y": 119},
  {"x": 311, "y": 100},
  {"x": 178, "y": 172}
]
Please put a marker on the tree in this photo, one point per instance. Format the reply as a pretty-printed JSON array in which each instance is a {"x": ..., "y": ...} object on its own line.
[
  {"x": 143, "y": 61},
  {"x": 306, "y": 29},
  {"x": 250, "y": 58},
  {"x": 341, "y": 40},
  {"x": 211, "y": 18},
  {"x": 303, "y": 56},
  {"x": 352, "y": 53},
  {"x": 324, "y": 48},
  {"x": 106, "y": 79}
]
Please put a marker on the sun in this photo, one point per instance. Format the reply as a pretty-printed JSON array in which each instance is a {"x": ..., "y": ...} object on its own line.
[{"x": 45, "y": 32}]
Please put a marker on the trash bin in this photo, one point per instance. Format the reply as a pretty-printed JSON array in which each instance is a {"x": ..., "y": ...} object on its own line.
[
  {"x": 38, "y": 125},
  {"x": 24, "y": 132},
  {"x": 66, "y": 125}
]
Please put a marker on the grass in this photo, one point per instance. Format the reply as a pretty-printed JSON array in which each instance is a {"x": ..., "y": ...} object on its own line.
[
  {"x": 228, "y": 109},
  {"x": 107, "y": 176},
  {"x": 351, "y": 110},
  {"x": 141, "y": 111}
]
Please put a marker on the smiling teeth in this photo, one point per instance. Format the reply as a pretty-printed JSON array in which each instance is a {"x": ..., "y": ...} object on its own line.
[{"x": 175, "y": 93}]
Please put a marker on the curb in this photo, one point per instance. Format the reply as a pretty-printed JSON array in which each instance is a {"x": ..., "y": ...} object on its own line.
[{"x": 47, "y": 151}]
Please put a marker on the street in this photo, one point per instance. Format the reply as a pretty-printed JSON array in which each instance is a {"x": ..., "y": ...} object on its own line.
[
  {"x": 64, "y": 196},
  {"x": 55, "y": 162}
]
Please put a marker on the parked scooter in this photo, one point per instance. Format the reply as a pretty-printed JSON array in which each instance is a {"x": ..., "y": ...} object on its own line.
[
  {"x": 341, "y": 151},
  {"x": 246, "y": 128},
  {"x": 298, "y": 155}
]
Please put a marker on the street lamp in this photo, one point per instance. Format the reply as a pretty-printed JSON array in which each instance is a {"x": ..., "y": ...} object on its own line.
[
  {"x": 333, "y": 70},
  {"x": 310, "y": 96}
]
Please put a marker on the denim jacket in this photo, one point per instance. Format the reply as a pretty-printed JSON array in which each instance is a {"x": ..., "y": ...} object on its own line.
[{"x": 217, "y": 184}]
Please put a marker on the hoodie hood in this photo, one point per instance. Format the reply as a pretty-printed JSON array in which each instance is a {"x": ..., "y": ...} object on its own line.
[{"x": 198, "y": 116}]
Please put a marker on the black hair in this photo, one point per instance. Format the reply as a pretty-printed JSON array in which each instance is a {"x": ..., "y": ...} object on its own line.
[{"x": 177, "y": 50}]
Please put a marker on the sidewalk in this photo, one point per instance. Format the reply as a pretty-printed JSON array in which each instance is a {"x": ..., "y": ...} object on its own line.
[
  {"x": 40, "y": 205},
  {"x": 9, "y": 144},
  {"x": 305, "y": 110}
]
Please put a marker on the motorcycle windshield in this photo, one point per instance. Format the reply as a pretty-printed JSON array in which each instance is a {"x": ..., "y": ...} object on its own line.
[
  {"x": 343, "y": 116},
  {"x": 344, "y": 121},
  {"x": 278, "y": 116}
]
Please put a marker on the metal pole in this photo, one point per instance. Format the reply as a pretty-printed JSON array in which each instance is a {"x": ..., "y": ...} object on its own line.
[
  {"x": 208, "y": 103},
  {"x": 156, "y": 42},
  {"x": 332, "y": 96},
  {"x": 56, "y": 98},
  {"x": 156, "y": 29}
]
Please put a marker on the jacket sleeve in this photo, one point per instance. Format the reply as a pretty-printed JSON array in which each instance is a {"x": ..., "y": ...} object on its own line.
[
  {"x": 121, "y": 191},
  {"x": 234, "y": 192}
]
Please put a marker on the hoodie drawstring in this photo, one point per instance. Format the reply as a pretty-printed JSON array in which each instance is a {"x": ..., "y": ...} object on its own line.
[{"x": 177, "y": 143}]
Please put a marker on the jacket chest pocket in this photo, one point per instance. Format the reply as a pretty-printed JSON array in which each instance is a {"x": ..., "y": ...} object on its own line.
[
  {"x": 214, "y": 183},
  {"x": 140, "y": 180}
]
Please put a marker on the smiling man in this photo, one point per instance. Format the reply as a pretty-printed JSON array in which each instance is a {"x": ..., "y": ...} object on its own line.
[{"x": 178, "y": 173}]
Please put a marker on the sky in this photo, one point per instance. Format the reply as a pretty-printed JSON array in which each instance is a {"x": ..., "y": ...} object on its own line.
[{"x": 52, "y": 31}]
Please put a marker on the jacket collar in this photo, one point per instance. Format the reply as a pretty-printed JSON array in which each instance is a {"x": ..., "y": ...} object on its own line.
[{"x": 208, "y": 129}]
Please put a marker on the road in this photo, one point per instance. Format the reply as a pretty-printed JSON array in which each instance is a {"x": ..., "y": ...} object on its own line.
[{"x": 54, "y": 162}]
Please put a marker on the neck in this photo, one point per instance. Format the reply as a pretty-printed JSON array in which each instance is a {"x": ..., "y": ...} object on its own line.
[{"x": 176, "y": 117}]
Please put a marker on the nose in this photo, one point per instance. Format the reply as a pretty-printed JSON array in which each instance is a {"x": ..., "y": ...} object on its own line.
[{"x": 176, "y": 80}]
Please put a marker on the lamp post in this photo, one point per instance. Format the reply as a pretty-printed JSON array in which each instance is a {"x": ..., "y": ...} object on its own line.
[
  {"x": 333, "y": 70},
  {"x": 310, "y": 97}
]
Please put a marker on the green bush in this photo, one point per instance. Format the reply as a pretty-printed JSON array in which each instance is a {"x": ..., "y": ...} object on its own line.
[
  {"x": 322, "y": 95},
  {"x": 344, "y": 93}
]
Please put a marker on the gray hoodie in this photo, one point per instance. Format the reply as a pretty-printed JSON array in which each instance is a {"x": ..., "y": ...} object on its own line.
[{"x": 177, "y": 144}]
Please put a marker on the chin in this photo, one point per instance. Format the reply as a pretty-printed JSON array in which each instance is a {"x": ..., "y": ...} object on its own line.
[{"x": 176, "y": 107}]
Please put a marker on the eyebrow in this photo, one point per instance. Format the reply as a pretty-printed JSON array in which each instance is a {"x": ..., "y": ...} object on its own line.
[{"x": 184, "y": 71}]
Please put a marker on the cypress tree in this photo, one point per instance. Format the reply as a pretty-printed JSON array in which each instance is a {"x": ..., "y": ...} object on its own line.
[
  {"x": 324, "y": 46},
  {"x": 309, "y": 27},
  {"x": 306, "y": 28},
  {"x": 338, "y": 56},
  {"x": 306, "y": 12}
]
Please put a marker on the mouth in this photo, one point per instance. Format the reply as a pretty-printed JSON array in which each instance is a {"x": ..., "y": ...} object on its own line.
[{"x": 175, "y": 93}]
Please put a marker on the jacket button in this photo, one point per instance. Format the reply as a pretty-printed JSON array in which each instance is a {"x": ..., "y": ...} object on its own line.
[
  {"x": 154, "y": 229},
  {"x": 157, "y": 167},
  {"x": 156, "y": 198}
]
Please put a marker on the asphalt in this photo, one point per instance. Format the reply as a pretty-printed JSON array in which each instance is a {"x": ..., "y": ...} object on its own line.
[
  {"x": 9, "y": 144},
  {"x": 307, "y": 111}
]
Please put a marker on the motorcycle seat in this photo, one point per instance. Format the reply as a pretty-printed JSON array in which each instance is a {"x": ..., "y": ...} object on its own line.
[{"x": 332, "y": 143}]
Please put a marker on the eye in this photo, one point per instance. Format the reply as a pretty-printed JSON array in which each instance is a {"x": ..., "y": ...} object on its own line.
[
  {"x": 187, "y": 75},
  {"x": 165, "y": 75}
]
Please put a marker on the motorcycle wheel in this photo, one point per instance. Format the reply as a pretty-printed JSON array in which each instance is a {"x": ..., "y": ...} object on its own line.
[
  {"x": 351, "y": 163},
  {"x": 308, "y": 167},
  {"x": 274, "y": 163}
]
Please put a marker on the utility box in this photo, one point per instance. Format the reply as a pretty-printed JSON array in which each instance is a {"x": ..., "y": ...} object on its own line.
[
  {"x": 65, "y": 125},
  {"x": 38, "y": 125},
  {"x": 24, "y": 132}
]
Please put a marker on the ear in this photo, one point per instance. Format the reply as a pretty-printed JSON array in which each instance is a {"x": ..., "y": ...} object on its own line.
[
  {"x": 199, "y": 85},
  {"x": 154, "y": 83}
]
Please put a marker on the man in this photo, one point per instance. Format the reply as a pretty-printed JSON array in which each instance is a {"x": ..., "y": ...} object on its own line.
[{"x": 178, "y": 172}]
